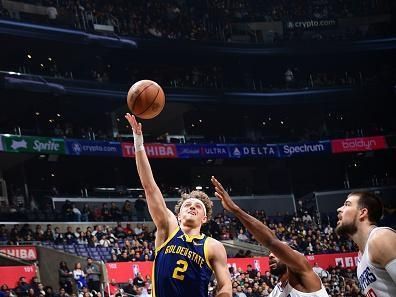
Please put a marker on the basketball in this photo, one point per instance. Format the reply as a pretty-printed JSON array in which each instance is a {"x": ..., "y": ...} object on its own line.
[{"x": 146, "y": 99}]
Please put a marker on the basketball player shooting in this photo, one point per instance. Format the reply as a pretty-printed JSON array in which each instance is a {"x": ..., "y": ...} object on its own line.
[
  {"x": 296, "y": 277},
  {"x": 358, "y": 219},
  {"x": 184, "y": 258}
]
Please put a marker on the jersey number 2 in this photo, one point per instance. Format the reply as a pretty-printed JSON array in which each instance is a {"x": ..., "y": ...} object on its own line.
[{"x": 180, "y": 269}]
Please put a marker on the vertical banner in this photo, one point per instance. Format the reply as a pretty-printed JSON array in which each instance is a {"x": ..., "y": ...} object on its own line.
[{"x": 1, "y": 143}]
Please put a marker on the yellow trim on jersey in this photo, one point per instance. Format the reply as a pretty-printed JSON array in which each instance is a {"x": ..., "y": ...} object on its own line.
[
  {"x": 167, "y": 240},
  {"x": 190, "y": 238},
  {"x": 153, "y": 279},
  {"x": 206, "y": 253}
]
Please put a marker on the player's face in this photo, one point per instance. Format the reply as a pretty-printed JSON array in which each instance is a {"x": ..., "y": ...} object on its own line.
[
  {"x": 276, "y": 266},
  {"x": 192, "y": 212},
  {"x": 348, "y": 216}
]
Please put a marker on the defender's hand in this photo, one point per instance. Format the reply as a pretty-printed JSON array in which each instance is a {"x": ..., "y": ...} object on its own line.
[{"x": 222, "y": 194}]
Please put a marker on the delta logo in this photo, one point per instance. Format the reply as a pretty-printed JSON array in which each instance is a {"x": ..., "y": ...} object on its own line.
[{"x": 361, "y": 144}]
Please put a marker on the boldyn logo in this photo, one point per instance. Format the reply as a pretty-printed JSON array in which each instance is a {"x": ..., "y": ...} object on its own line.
[
  {"x": 288, "y": 150},
  {"x": 358, "y": 144}
]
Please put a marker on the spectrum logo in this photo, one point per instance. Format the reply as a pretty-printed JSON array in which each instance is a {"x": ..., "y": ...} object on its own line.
[{"x": 360, "y": 144}]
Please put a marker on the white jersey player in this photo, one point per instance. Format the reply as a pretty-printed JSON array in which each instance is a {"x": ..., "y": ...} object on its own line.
[
  {"x": 376, "y": 270},
  {"x": 296, "y": 276}
]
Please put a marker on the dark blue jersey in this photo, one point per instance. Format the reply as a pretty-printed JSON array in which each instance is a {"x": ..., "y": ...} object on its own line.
[{"x": 181, "y": 267}]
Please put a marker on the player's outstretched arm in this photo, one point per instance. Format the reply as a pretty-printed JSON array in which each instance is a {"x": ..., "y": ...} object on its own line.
[
  {"x": 294, "y": 260},
  {"x": 218, "y": 260},
  {"x": 382, "y": 250},
  {"x": 163, "y": 218}
]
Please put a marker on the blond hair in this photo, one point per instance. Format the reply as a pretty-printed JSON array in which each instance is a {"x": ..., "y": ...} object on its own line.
[{"x": 197, "y": 195}]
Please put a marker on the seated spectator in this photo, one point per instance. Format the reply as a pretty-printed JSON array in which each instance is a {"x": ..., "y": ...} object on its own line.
[
  {"x": 22, "y": 290},
  {"x": 62, "y": 293},
  {"x": 130, "y": 288},
  {"x": 112, "y": 289},
  {"x": 5, "y": 291},
  {"x": 123, "y": 257},
  {"x": 242, "y": 235},
  {"x": 138, "y": 281}
]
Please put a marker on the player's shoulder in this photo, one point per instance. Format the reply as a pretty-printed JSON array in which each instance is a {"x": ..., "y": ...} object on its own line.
[
  {"x": 381, "y": 246},
  {"x": 382, "y": 234},
  {"x": 213, "y": 246}
]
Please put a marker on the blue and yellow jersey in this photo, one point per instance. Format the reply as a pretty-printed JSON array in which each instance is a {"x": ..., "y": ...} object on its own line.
[{"x": 181, "y": 267}]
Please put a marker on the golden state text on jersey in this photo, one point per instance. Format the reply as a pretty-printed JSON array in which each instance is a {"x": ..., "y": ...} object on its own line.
[{"x": 181, "y": 267}]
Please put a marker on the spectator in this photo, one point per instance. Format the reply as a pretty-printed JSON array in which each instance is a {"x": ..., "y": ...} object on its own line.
[
  {"x": 115, "y": 211},
  {"x": 49, "y": 292},
  {"x": 138, "y": 281},
  {"x": 130, "y": 288},
  {"x": 252, "y": 273},
  {"x": 69, "y": 236},
  {"x": 112, "y": 289},
  {"x": 86, "y": 213},
  {"x": 123, "y": 257},
  {"x": 105, "y": 213},
  {"x": 22, "y": 290},
  {"x": 67, "y": 210},
  {"x": 93, "y": 275},
  {"x": 76, "y": 213},
  {"x": 138, "y": 229},
  {"x": 79, "y": 276},
  {"x": 242, "y": 235},
  {"x": 62, "y": 293},
  {"x": 140, "y": 207},
  {"x": 65, "y": 277},
  {"x": 5, "y": 291},
  {"x": 126, "y": 210},
  {"x": 85, "y": 292}
]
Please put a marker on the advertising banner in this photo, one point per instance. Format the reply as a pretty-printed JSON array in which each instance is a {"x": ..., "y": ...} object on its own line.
[
  {"x": 93, "y": 148},
  {"x": 122, "y": 271},
  {"x": 346, "y": 260},
  {"x": 31, "y": 144},
  {"x": 153, "y": 150},
  {"x": 216, "y": 151},
  {"x": 296, "y": 149},
  {"x": 10, "y": 274},
  {"x": 23, "y": 252},
  {"x": 186, "y": 151},
  {"x": 311, "y": 24},
  {"x": 360, "y": 144},
  {"x": 253, "y": 150}
]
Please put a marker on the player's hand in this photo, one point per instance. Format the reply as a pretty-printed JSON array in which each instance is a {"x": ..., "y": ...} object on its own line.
[
  {"x": 222, "y": 194},
  {"x": 136, "y": 127}
]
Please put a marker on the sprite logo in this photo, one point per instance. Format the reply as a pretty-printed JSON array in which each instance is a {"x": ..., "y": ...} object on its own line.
[{"x": 30, "y": 144}]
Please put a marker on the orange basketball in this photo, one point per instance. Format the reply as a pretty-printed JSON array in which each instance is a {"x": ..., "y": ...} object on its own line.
[{"x": 146, "y": 99}]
